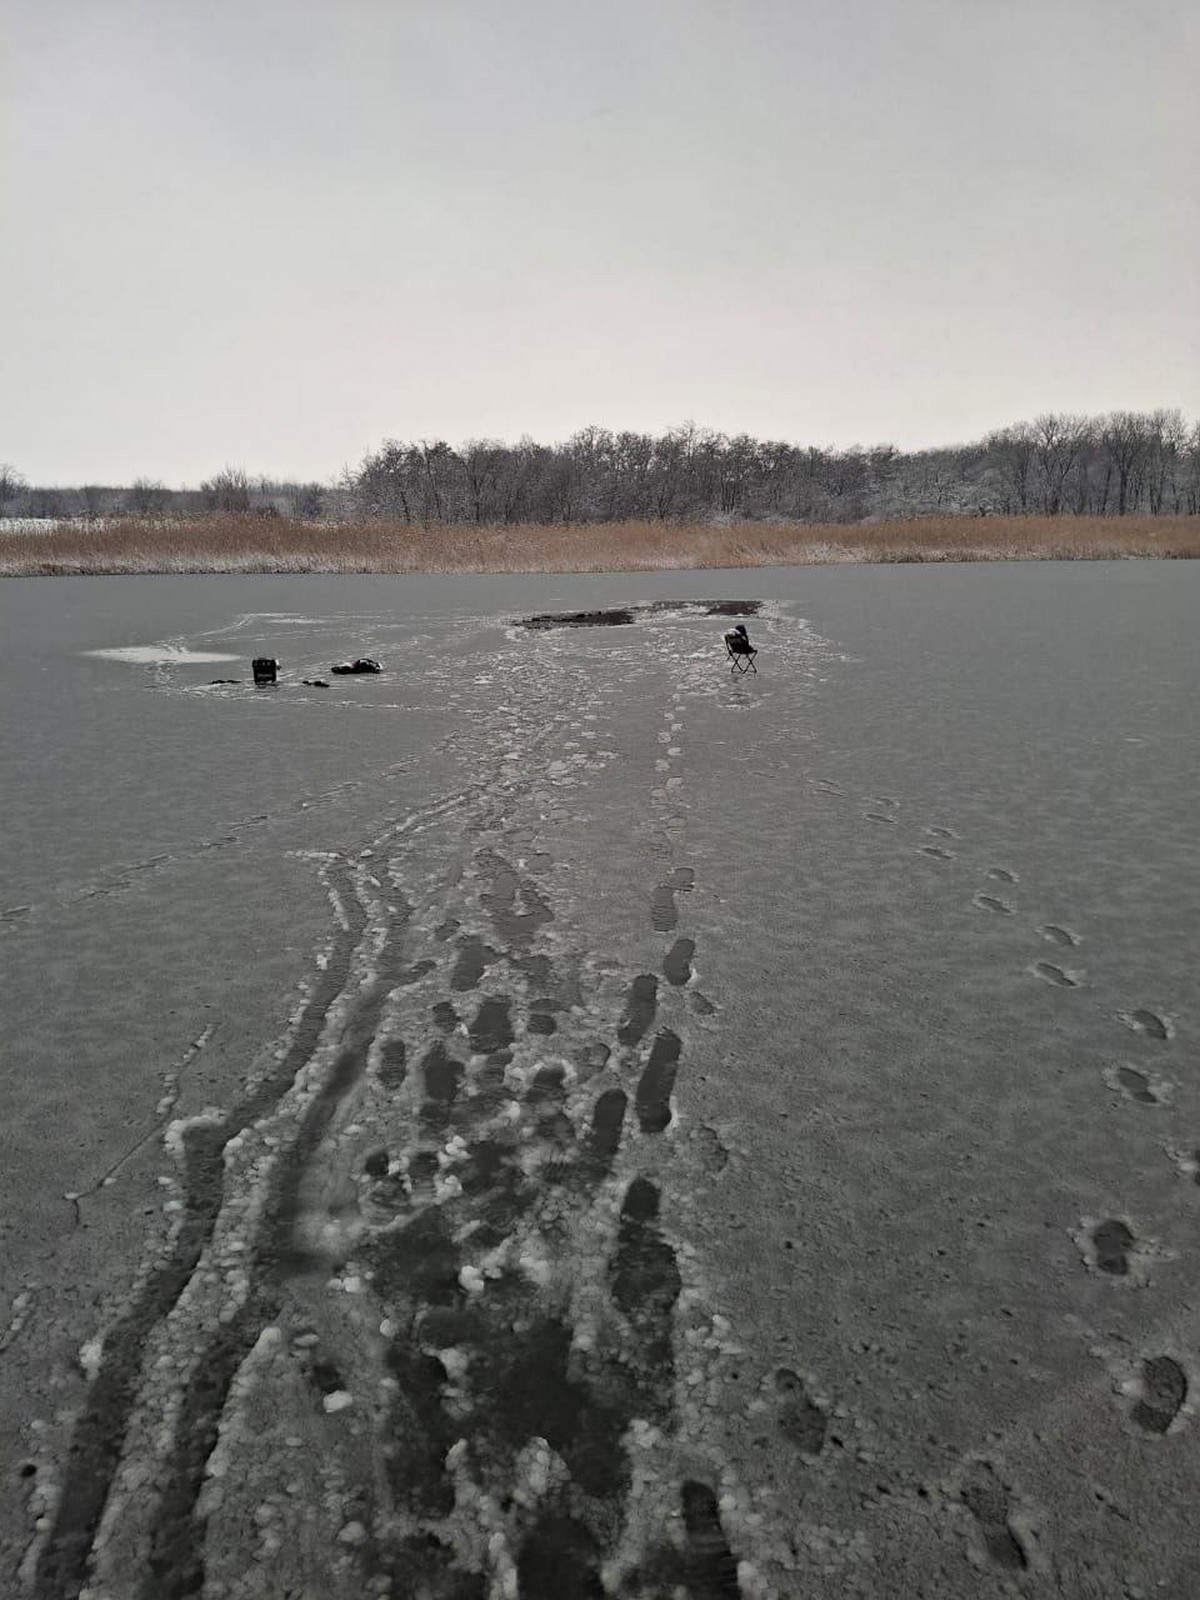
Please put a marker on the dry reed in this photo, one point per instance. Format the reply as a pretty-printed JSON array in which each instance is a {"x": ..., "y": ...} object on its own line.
[{"x": 249, "y": 544}]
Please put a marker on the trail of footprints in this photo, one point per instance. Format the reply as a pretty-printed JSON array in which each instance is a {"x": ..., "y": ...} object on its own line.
[
  {"x": 516, "y": 1328},
  {"x": 505, "y": 1160},
  {"x": 1109, "y": 1245},
  {"x": 475, "y": 1214},
  {"x": 459, "y": 1262}
]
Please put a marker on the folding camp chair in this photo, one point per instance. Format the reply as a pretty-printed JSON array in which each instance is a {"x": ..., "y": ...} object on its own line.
[{"x": 740, "y": 651}]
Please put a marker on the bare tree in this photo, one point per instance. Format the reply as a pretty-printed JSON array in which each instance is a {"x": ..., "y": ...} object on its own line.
[
  {"x": 736, "y": 472},
  {"x": 1014, "y": 451},
  {"x": 146, "y": 497},
  {"x": 484, "y": 462},
  {"x": 93, "y": 496},
  {"x": 46, "y": 504},
  {"x": 1058, "y": 441},
  {"x": 436, "y": 458},
  {"x": 383, "y": 486},
  {"x": 1189, "y": 473},
  {"x": 1167, "y": 447},
  {"x": 11, "y": 485},
  {"x": 1125, "y": 438},
  {"x": 228, "y": 490},
  {"x": 309, "y": 502}
]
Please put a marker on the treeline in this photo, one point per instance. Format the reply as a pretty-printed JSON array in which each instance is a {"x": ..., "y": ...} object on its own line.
[
  {"x": 1117, "y": 464},
  {"x": 231, "y": 490},
  {"x": 1122, "y": 463}
]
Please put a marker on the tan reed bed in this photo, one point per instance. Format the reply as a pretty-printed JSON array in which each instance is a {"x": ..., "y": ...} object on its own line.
[{"x": 234, "y": 544}]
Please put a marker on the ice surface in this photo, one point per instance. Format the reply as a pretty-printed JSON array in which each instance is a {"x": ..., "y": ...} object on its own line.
[
  {"x": 149, "y": 655},
  {"x": 868, "y": 1271}
]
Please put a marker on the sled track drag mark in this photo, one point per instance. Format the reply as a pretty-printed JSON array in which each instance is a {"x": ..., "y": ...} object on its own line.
[
  {"x": 176, "y": 1563},
  {"x": 100, "y": 1432}
]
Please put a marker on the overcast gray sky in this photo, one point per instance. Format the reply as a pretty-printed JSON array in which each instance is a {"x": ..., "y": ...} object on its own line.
[{"x": 271, "y": 233}]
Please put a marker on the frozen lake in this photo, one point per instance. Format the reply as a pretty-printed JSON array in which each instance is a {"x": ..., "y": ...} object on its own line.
[{"x": 558, "y": 1119}]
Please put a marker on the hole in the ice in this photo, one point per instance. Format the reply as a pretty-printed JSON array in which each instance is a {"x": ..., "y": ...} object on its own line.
[{"x": 617, "y": 618}]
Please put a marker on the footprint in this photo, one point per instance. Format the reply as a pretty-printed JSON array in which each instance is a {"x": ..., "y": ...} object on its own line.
[
  {"x": 1148, "y": 1023},
  {"x": 415, "y": 973},
  {"x": 325, "y": 1375},
  {"x": 417, "y": 1264},
  {"x": 711, "y": 1149},
  {"x": 1134, "y": 1085},
  {"x": 492, "y": 1027},
  {"x": 422, "y": 1169},
  {"x": 376, "y": 1163},
  {"x": 442, "y": 1075},
  {"x": 989, "y": 902},
  {"x": 473, "y": 958},
  {"x": 521, "y": 927},
  {"x": 608, "y": 1119},
  {"x": 525, "y": 1387},
  {"x": 492, "y": 1179},
  {"x": 393, "y": 1063},
  {"x": 559, "y": 1558},
  {"x": 1060, "y": 976},
  {"x": 985, "y": 1498},
  {"x": 653, "y": 1097},
  {"x": 878, "y": 816},
  {"x": 942, "y": 833},
  {"x": 645, "y": 1285},
  {"x": 1185, "y": 1161},
  {"x": 664, "y": 914},
  {"x": 1112, "y": 1240},
  {"x": 516, "y": 927},
  {"x": 1057, "y": 935},
  {"x": 591, "y": 1059},
  {"x": 1001, "y": 875},
  {"x": 640, "y": 1008},
  {"x": 799, "y": 1419},
  {"x": 677, "y": 964},
  {"x": 541, "y": 1016},
  {"x": 419, "y": 1432},
  {"x": 505, "y": 882},
  {"x": 710, "y": 1564},
  {"x": 549, "y": 1083},
  {"x": 1164, "y": 1389},
  {"x": 445, "y": 1016},
  {"x": 537, "y": 969},
  {"x": 937, "y": 851}
]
